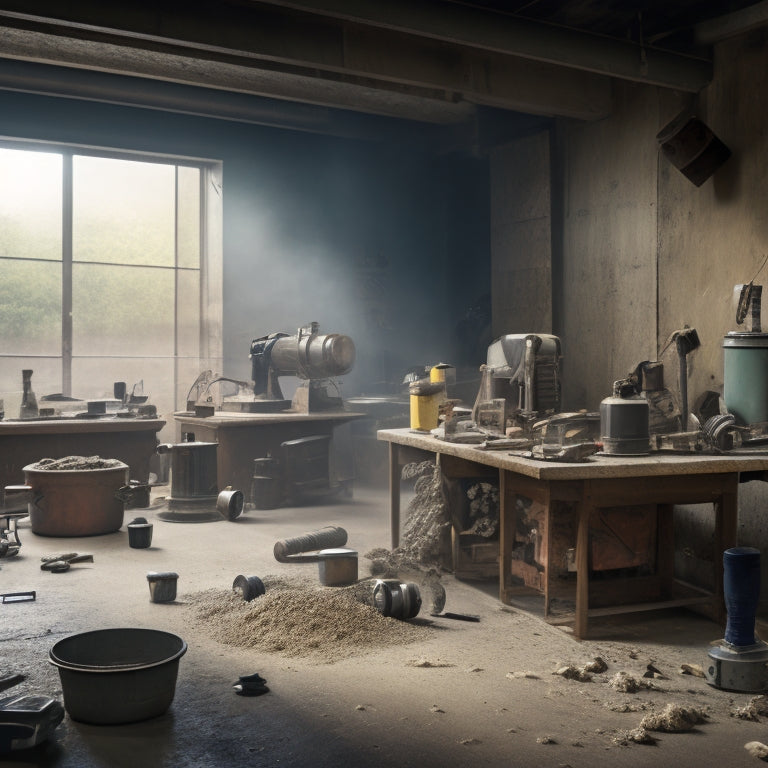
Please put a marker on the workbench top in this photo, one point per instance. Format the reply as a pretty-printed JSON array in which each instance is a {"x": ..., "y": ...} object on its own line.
[
  {"x": 69, "y": 426},
  {"x": 598, "y": 466},
  {"x": 237, "y": 419}
]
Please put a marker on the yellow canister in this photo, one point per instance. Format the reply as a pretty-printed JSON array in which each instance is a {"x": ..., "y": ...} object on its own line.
[
  {"x": 442, "y": 372},
  {"x": 437, "y": 373},
  {"x": 425, "y": 399}
]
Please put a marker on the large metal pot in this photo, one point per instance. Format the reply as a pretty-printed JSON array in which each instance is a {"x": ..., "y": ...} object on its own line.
[{"x": 75, "y": 502}]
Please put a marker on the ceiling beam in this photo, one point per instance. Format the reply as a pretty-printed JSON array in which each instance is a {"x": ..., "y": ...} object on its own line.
[
  {"x": 307, "y": 58},
  {"x": 516, "y": 36},
  {"x": 736, "y": 23}
]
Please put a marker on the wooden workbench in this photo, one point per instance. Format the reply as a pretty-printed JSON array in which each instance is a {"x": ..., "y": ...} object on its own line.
[
  {"x": 132, "y": 441},
  {"x": 575, "y": 495},
  {"x": 243, "y": 437}
]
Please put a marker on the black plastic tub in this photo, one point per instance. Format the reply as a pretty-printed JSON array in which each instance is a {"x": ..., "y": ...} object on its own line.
[{"x": 114, "y": 676}]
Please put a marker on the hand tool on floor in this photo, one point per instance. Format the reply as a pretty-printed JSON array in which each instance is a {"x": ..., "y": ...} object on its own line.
[{"x": 26, "y": 719}]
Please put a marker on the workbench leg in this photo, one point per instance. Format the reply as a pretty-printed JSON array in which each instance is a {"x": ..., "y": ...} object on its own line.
[
  {"x": 395, "y": 474},
  {"x": 665, "y": 546},
  {"x": 726, "y": 534},
  {"x": 506, "y": 534},
  {"x": 582, "y": 569}
]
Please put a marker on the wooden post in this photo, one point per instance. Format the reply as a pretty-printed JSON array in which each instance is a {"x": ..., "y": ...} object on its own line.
[{"x": 394, "y": 494}]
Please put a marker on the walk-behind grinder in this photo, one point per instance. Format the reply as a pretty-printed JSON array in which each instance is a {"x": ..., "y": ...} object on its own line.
[
  {"x": 739, "y": 662},
  {"x": 26, "y": 719}
]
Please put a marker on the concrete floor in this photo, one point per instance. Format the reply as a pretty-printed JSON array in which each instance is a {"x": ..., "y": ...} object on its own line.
[{"x": 371, "y": 710}]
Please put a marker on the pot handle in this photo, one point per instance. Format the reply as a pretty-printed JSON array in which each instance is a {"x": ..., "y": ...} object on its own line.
[
  {"x": 18, "y": 496},
  {"x": 135, "y": 493}
]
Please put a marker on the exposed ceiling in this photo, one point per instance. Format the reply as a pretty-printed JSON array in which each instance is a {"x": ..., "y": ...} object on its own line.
[{"x": 444, "y": 71}]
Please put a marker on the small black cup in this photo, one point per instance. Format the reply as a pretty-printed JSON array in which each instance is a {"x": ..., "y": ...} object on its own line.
[{"x": 139, "y": 533}]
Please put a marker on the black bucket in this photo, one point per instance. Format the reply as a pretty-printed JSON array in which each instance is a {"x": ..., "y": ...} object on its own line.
[{"x": 114, "y": 676}]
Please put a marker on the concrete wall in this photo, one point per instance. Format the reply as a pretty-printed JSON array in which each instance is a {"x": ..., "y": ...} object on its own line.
[
  {"x": 521, "y": 237},
  {"x": 609, "y": 246}
]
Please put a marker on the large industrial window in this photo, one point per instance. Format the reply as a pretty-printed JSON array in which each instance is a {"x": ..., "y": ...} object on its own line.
[{"x": 110, "y": 271}]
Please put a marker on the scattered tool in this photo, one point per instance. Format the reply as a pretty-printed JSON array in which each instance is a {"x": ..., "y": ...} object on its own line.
[
  {"x": 17, "y": 597},
  {"x": 26, "y": 719},
  {"x": 251, "y": 685},
  {"x": 60, "y": 562}
]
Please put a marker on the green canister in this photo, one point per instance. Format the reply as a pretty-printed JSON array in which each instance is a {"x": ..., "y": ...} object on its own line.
[{"x": 745, "y": 376}]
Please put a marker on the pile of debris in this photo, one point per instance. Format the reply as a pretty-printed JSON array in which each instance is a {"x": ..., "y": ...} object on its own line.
[{"x": 296, "y": 618}]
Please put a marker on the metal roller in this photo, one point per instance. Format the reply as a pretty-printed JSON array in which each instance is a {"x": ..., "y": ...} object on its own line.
[{"x": 288, "y": 550}]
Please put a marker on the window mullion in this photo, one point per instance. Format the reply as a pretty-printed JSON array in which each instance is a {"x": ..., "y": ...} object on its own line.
[{"x": 66, "y": 274}]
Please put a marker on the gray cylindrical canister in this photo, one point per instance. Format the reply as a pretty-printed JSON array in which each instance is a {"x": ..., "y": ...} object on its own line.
[{"x": 745, "y": 376}]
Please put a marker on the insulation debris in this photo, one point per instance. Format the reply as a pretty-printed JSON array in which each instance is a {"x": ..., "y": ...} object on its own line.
[
  {"x": 569, "y": 672},
  {"x": 625, "y": 706},
  {"x": 426, "y": 518},
  {"x": 635, "y": 736},
  {"x": 692, "y": 669},
  {"x": 626, "y": 683},
  {"x": 754, "y": 710},
  {"x": 483, "y": 509},
  {"x": 427, "y": 663},
  {"x": 674, "y": 718},
  {"x": 584, "y": 673},
  {"x": 596, "y": 666},
  {"x": 757, "y": 749}
]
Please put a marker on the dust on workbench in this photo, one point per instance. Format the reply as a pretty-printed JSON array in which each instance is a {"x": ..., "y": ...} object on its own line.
[
  {"x": 76, "y": 462},
  {"x": 297, "y": 618}
]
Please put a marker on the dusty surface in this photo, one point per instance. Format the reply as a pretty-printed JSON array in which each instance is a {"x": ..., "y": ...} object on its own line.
[
  {"x": 75, "y": 462},
  {"x": 445, "y": 692}
]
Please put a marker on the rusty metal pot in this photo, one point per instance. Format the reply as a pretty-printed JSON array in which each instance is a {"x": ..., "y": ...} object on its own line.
[{"x": 75, "y": 502}]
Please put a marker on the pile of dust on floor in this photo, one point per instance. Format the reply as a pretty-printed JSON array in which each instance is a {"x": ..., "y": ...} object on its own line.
[
  {"x": 297, "y": 618},
  {"x": 76, "y": 462},
  {"x": 426, "y": 521}
]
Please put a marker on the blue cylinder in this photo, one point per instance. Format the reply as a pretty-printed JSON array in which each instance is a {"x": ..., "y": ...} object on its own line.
[{"x": 741, "y": 590}]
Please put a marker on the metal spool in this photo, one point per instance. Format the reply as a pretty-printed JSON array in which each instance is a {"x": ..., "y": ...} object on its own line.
[
  {"x": 249, "y": 587},
  {"x": 391, "y": 597}
]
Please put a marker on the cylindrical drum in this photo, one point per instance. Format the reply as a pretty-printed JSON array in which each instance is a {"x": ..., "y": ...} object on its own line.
[
  {"x": 745, "y": 376},
  {"x": 625, "y": 426},
  {"x": 314, "y": 356},
  {"x": 194, "y": 474},
  {"x": 741, "y": 590}
]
